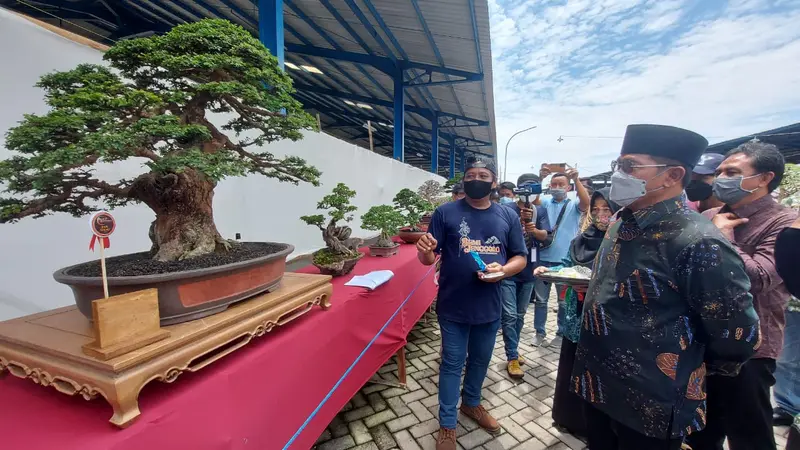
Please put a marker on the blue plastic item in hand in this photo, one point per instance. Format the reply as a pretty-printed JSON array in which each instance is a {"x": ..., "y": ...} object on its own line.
[{"x": 478, "y": 260}]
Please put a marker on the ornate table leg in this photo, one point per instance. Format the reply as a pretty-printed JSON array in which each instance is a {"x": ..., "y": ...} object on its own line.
[{"x": 124, "y": 399}]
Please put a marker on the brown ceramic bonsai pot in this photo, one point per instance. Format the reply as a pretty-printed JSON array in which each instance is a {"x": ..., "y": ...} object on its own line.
[
  {"x": 190, "y": 294},
  {"x": 375, "y": 250},
  {"x": 425, "y": 221},
  {"x": 338, "y": 268},
  {"x": 408, "y": 236}
]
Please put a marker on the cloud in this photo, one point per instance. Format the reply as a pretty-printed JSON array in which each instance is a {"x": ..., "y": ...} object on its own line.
[{"x": 587, "y": 68}]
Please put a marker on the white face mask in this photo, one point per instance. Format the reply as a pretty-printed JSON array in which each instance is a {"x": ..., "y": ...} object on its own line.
[{"x": 626, "y": 189}]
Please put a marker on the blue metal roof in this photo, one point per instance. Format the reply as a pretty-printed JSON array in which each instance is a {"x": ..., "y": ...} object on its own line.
[
  {"x": 787, "y": 139},
  {"x": 344, "y": 56}
]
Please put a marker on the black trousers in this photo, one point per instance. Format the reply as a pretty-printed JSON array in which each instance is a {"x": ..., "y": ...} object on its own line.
[
  {"x": 605, "y": 433},
  {"x": 740, "y": 408}
]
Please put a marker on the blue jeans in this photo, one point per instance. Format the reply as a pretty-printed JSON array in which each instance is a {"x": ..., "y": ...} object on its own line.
[
  {"x": 516, "y": 298},
  {"x": 458, "y": 339},
  {"x": 542, "y": 290},
  {"x": 787, "y": 372}
]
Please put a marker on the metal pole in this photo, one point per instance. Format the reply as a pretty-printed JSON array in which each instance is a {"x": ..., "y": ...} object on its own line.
[
  {"x": 399, "y": 118},
  {"x": 505, "y": 158},
  {"x": 369, "y": 130},
  {"x": 435, "y": 144},
  {"x": 270, "y": 27}
]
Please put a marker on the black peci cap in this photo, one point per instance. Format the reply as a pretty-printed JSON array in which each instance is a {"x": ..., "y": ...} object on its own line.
[{"x": 664, "y": 141}]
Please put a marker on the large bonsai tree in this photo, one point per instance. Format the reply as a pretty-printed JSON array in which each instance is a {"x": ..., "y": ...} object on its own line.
[
  {"x": 412, "y": 207},
  {"x": 339, "y": 244},
  {"x": 151, "y": 105},
  {"x": 383, "y": 218}
]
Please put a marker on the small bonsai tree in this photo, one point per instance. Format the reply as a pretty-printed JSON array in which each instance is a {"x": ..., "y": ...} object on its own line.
[
  {"x": 151, "y": 105},
  {"x": 412, "y": 207},
  {"x": 339, "y": 244},
  {"x": 431, "y": 191},
  {"x": 454, "y": 180},
  {"x": 383, "y": 218}
]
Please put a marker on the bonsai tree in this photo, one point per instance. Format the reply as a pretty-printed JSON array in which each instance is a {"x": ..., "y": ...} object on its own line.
[
  {"x": 383, "y": 218},
  {"x": 339, "y": 244},
  {"x": 431, "y": 191},
  {"x": 454, "y": 180},
  {"x": 412, "y": 207},
  {"x": 151, "y": 105}
]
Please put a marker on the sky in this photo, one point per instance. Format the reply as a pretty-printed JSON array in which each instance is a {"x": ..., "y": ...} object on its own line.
[{"x": 584, "y": 69}]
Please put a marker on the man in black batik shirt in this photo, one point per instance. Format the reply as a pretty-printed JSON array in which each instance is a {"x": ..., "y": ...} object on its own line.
[{"x": 667, "y": 305}]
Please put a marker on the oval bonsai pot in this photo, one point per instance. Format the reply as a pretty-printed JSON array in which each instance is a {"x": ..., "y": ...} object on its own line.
[
  {"x": 338, "y": 268},
  {"x": 190, "y": 294},
  {"x": 408, "y": 236},
  {"x": 375, "y": 250}
]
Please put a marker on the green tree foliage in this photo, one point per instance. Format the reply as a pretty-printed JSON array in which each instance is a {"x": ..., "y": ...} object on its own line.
[
  {"x": 790, "y": 186},
  {"x": 152, "y": 103},
  {"x": 383, "y": 218},
  {"x": 411, "y": 206},
  {"x": 454, "y": 180}
]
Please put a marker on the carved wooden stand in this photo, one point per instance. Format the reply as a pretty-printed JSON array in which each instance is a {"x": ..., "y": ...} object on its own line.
[{"x": 46, "y": 347}]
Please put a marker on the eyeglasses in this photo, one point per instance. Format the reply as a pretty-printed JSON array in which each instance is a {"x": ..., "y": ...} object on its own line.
[{"x": 628, "y": 165}]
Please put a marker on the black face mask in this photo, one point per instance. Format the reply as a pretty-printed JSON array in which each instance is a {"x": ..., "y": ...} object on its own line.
[
  {"x": 477, "y": 189},
  {"x": 697, "y": 190}
]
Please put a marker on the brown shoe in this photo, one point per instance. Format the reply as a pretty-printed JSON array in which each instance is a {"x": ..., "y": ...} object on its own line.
[
  {"x": 514, "y": 370},
  {"x": 446, "y": 439},
  {"x": 480, "y": 415}
]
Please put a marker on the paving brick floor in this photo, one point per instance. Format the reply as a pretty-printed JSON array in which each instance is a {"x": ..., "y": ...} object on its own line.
[{"x": 382, "y": 418}]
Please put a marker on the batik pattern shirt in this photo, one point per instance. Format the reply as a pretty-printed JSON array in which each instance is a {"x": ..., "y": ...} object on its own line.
[{"x": 668, "y": 304}]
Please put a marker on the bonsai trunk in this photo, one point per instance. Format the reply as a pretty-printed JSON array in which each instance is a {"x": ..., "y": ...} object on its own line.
[
  {"x": 338, "y": 239},
  {"x": 184, "y": 226},
  {"x": 384, "y": 241}
]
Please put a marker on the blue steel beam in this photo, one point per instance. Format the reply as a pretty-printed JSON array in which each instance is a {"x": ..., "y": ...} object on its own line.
[
  {"x": 379, "y": 62},
  {"x": 147, "y": 11},
  {"x": 370, "y": 29},
  {"x": 375, "y": 101},
  {"x": 364, "y": 118},
  {"x": 270, "y": 27},
  {"x": 178, "y": 12},
  {"x": 435, "y": 144},
  {"x": 438, "y": 55},
  {"x": 477, "y": 77},
  {"x": 426, "y": 93},
  {"x": 452, "y": 158},
  {"x": 476, "y": 34},
  {"x": 399, "y": 117}
]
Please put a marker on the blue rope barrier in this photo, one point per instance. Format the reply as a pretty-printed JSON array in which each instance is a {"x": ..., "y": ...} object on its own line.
[{"x": 349, "y": 369}]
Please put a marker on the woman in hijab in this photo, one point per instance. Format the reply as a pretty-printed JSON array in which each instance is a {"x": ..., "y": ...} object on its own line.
[{"x": 568, "y": 407}]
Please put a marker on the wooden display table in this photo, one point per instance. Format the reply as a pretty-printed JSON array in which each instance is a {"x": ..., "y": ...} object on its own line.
[{"x": 46, "y": 347}]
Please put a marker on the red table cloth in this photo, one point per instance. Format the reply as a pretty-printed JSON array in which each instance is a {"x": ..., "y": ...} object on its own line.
[{"x": 256, "y": 398}]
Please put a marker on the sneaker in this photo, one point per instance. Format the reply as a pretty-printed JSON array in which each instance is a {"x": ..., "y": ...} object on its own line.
[
  {"x": 538, "y": 340},
  {"x": 521, "y": 360},
  {"x": 482, "y": 417},
  {"x": 514, "y": 370},
  {"x": 446, "y": 439}
]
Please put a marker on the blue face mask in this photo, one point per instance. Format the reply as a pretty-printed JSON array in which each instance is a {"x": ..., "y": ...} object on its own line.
[{"x": 506, "y": 200}]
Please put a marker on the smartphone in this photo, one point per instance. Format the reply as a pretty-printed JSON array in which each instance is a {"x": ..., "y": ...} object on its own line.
[{"x": 555, "y": 167}]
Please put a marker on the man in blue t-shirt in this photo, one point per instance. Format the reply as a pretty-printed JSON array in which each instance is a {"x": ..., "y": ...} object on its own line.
[
  {"x": 517, "y": 290},
  {"x": 564, "y": 231},
  {"x": 469, "y": 303}
]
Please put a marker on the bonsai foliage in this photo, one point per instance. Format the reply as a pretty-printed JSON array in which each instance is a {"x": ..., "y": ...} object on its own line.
[
  {"x": 337, "y": 238},
  {"x": 412, "y": 207},
  {"x": 789, "y": 193},
  {"x": 151, "y": 105},
  {"x": 431, "y": 191},
  {"x": 383, "y": 218},
  {"x": 454, "y": 180}
]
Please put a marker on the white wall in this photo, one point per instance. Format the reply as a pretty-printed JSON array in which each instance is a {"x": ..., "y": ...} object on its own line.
[{"x": 260, "y": 209}]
